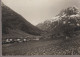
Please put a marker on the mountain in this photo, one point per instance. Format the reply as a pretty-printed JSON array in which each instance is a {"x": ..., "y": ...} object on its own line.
[
  {"x": 66, "y": 23},
  {"x": 12, "y": 21},
  {"x": 47, "y": 24}
]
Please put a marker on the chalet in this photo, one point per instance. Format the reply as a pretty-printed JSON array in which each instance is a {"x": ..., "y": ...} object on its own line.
[
  {"x": 24, "y": 40},
  {"x": 11, "y": 39},
  {"x": 7, "y": 40},
  {"x": 18, "y": 40}
]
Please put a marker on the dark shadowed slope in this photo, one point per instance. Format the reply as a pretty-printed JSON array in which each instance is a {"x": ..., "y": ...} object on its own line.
[{"x": 12, "y": 21}]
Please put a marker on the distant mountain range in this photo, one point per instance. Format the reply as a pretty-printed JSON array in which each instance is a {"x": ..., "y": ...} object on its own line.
[{"x": 12, "y": 21}]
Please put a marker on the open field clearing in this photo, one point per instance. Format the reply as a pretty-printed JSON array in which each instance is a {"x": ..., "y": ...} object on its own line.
[{"x": 43, "y": 47}]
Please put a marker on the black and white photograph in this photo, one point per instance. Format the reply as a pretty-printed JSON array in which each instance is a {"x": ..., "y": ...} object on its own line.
[{"x": 40, "y": 27}]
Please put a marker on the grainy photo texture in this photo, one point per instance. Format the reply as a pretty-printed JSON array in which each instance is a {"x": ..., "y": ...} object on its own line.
[{"x": 40, "y": 27}]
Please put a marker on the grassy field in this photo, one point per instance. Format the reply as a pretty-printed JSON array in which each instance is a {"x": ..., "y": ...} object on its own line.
[{"x": 43, "y": 47}]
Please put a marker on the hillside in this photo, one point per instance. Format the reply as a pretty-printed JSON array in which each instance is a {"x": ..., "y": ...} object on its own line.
[
  {"x": 66, "y": 23},
  {"x": 14, "y": 21}
]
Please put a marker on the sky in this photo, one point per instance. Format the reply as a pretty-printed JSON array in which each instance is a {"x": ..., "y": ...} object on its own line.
[{"x": 37, "y": 11}]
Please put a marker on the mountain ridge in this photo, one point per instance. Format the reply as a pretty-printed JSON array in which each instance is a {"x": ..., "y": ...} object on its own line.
[{"x": 12, "y": 21}]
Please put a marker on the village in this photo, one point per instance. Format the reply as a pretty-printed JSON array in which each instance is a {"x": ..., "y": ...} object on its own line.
[{"x": 20, "y": 39}]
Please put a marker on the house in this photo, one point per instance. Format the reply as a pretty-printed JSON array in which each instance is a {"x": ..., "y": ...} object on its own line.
[
  {"x": 24, "y": 40},
  {"x": 19, "y": 40},
  {"x": 11, "y": 40},
  {"x": 7, "y": 40}
]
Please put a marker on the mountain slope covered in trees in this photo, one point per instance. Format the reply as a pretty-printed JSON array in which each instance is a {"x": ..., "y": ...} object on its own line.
[{"x": 12, "y": 21}]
